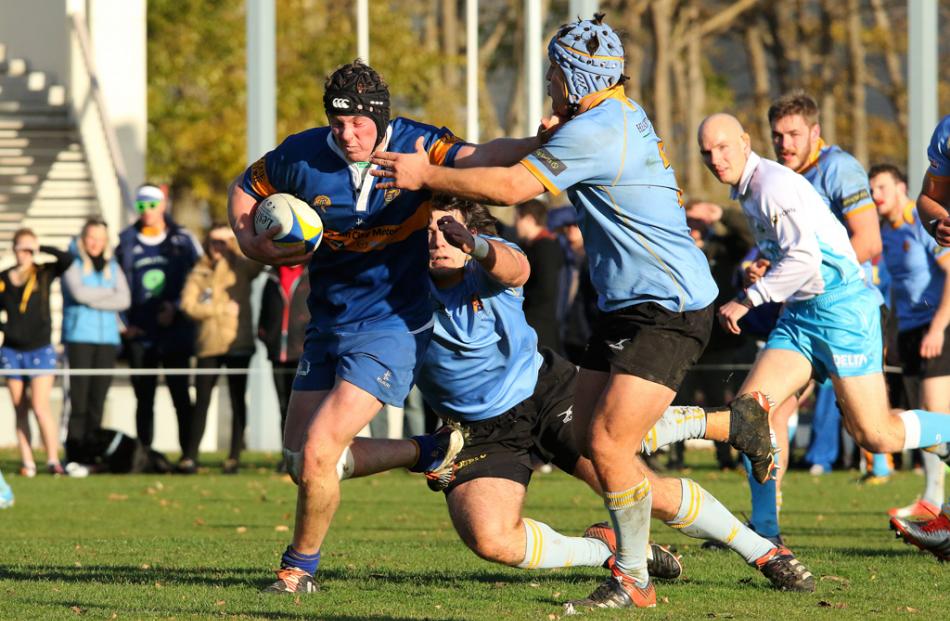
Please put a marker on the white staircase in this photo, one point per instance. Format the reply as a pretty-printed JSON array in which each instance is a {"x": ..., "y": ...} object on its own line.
[{"x": 45, "y": 181}]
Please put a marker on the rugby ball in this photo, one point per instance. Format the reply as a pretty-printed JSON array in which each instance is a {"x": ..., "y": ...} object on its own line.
[{"x": 299, "y": 222}]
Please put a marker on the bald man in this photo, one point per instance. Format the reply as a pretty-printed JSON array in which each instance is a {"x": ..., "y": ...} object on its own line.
[{"x": 831, "y": 324}]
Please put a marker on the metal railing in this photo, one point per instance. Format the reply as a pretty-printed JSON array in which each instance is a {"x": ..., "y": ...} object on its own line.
[{"x": 96, "y": 130}]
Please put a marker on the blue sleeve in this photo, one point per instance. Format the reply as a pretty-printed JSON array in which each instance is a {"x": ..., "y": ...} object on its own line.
[
  {"x": 277, "y": 171},
  {"x": 847, "y": 184},
  {"x": 939, "y": 150},
  {"x": 575, "y": 154}
]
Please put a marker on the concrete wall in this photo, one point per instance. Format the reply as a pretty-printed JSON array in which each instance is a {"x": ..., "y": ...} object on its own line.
[
  {"x": 38, "y": 32},
  {"x": 118, "y": 32}
]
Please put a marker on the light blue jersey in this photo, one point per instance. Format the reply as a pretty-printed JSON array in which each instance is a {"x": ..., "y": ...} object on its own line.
[
  {"x": 917, "y": 281},
  {"x": 483, "y": 358},
  {"x": 939, "y": 150},
  {"x": 612, "y": 165},
  {"x": 843, "y": 184}
]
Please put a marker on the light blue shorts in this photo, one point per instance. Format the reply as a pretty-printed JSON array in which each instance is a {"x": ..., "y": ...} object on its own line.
[
  {"x": 39, "y": 359},
  {"x": 381, "y": 362},
  {"x": 838, "y": 332}
]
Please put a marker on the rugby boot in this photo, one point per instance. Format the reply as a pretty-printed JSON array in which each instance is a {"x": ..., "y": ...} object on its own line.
[
  {"x": 617, "y": 591},
  {"x": 440, "y": 472},
  {"x": 784, "y": 571},
  {"x": 662, "y": 563},
  {"x": 750, "y": 433},
  {"x": 931, "y": 536},
  {"x": 917, "y": 511},
  {"x": 292, "y": 580}
]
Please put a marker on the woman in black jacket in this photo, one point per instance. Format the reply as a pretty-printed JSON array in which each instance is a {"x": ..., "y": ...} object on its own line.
[{"x": 27, "y": 344}]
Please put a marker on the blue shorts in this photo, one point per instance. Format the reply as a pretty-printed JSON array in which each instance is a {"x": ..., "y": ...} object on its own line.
[
  {"x": 42, "y": 358},
  {"x": 381, "y": 362},
  {"x": 838, "y": 332}
]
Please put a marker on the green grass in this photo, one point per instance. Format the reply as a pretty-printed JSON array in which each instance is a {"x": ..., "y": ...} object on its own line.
[{"x": 132, "y": 547}]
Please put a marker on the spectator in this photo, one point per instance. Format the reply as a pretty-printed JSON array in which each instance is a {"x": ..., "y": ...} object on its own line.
[
  {"x": 217, "y": 295},
  {"x": 94, "y": 291},
  {"x": 724, "y": 237},
  {"x": 546, "y": 259},
  {"x": 282, "y": 326},
  {"x": 156, "y": 255},
  {"x": 27, "y": 344},
  {"x": 577, "y": 302}
]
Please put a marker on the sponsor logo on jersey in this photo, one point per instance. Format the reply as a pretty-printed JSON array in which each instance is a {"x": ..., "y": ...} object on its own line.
[
  {"x": 853, "y": 199},
  {"x": 390, "y": 195},
  {"x": 321, "y": 202},
  {"x": 618, "y": 345},
  {"x": 377, "y": 237},
  {"x": 550, "y": 162}
]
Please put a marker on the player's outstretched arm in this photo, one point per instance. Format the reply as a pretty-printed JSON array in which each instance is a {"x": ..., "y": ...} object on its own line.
[
  {"x": 503, "y": 263},
  {"x": 494, "y": 185},
  {"x": 258, "y": 247}
]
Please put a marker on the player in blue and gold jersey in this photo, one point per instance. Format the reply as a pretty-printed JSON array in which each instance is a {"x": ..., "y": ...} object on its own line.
[
  {"x": 654, "y": 286},
  {"x": 370, "y": 314},
  {"x": 933, "y": 204},
  {"x": 919, "y": 269}
]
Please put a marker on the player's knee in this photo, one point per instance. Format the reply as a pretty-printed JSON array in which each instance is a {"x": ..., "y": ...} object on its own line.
[
  {"x": 875, "y": 440},
  {"x": 496, "y": 547},
  {"x": 317, "y": 462}
]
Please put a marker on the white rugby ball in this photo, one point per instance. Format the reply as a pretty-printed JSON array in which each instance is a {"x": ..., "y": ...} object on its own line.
[{"x": 299, "y": 222}]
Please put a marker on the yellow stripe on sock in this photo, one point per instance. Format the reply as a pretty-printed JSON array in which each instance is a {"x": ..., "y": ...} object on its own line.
[
  {"x": 622, "y": 500},
  {"x": 538, "y": 539},
  {"x": 695, "y": 503},
  {"x": 733, "y": 533}
]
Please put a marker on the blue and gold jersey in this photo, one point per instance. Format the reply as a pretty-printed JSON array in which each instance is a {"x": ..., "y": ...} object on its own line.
[
  {"x": 840, "y": 180},
  {"x": 938, "y": 152},
  {"x": 619, "y": 180},
  {"x": 483, "y": 357},
  {"x": 917, "y": 281},
  {"x": 843, "y": 184},
  {"x": 371, "y": 270}
]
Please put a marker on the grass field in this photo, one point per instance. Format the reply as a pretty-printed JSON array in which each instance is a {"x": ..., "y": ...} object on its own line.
[{"x": 172, "y": 547}]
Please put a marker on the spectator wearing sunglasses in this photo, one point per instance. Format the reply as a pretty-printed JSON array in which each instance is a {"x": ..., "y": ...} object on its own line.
[
  {"x": 156, "y": 255},
  {"x": 217, "y": 296},
  {"x": 27, "y": 344},
  {"x": 94, "y": 292}
]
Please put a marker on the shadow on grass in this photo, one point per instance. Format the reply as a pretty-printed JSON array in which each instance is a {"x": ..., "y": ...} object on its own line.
[
  {"x": 87, "y": 607},
  {"x": 255, "y": 578}
]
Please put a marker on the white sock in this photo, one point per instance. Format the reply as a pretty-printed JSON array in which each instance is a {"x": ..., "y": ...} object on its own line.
[
  {"x": 934, "y": 474},
  {"x": 546, "y": 548},
  {"x": 677, "y": 423},
  {"x": 702, "y": 516},
  {"x": 630, "y": 514}
]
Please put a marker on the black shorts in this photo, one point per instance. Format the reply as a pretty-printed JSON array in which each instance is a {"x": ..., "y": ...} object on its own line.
[
  {"x": 540, "y": 426},
  {"x": 908, "y": 345},
  {"x": 649, "y": 341}
]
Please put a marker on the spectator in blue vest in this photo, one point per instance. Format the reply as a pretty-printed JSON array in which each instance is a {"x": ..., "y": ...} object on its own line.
[
  {"x": 94, "y": 292},
  {"x": 156, "y": 255}
]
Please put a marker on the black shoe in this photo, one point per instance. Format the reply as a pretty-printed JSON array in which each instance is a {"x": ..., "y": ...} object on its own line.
[
  {"x": 785, "y": 572},
  {"x": 186, "y": 466},
  {"x": 665, "y": 564},
  {"x": 230, "y": 466},
  {"x": 750, "y": 433},
  {"x": 292, "y": 580}
]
